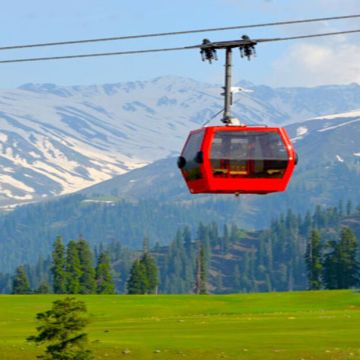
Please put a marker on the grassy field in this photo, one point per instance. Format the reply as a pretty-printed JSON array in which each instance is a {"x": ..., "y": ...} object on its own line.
[{"x": 287, "y": 326}]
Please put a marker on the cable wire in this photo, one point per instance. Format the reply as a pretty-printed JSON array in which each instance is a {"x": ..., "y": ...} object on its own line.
[
  {"x": 129, "y": 37},
  {"x": 309, "y": 36},
  {"x": 132, "y": 52}
]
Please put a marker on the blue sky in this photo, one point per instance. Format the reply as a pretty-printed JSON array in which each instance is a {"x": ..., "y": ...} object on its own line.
[{"x": 300, "y": 63}]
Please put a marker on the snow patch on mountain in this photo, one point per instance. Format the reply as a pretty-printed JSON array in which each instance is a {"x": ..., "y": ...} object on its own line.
[
  {"x": 327, "y": 127},
  {"x": 15, "y": 183},
  {"x": 300, "y": 132},
  {"x": 349, "y": 114}
]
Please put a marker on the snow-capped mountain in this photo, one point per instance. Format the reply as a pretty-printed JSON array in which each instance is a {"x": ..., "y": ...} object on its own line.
[
  {"x": 321, "y": 143},
  {"x": 56, "y": 140},
  {"x": 328, "y": 138}
]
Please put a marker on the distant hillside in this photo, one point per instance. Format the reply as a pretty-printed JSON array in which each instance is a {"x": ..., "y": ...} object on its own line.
[
  {"x": 29, "y": 231},
  {"x": 328, "y": 171},
  {"x": 56, "y": 140}
]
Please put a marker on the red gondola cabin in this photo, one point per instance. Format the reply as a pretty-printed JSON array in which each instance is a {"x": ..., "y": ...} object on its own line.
[{"x": 237, "y": 160}]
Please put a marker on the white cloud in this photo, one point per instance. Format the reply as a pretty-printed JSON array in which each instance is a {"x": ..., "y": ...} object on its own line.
[{"x": 318, "y": 64}]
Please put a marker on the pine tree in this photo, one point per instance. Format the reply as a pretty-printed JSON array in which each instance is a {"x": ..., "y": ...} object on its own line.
[
  {"x": 58, "y": 266},
  {"x": 341, "y": 267},
  {"x": 20, "y": 283},
  {"x": 151, "y": 273},
  {"x": 61, "y": 327},
  {"x": 72, "y": 267},
  {"x": 87, "y": 278},
  {"x": 201, "y": 273},
  {"x": 313, "y": 260},
  {"x": 104, "y": 279},
  {"x": 203, "y": 238},
  {"x": 137, "y": 282},
  {"x": 348, "y": 265},
  {"x": 330, "y": 265},
  {"x": 143, "y": 277}
]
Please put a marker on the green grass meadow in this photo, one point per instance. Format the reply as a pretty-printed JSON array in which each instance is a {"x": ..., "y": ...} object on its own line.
[{"x": 287, "y": 326}]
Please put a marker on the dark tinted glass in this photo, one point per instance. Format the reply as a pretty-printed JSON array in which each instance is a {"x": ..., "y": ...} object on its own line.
[
  {"x": 191, "y": 169},
  {"x": 248, "y": 154}
]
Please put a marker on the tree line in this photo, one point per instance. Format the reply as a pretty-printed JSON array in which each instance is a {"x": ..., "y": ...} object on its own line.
[
  {"x": 332, "y": 264},
  {"x": 73, "y": 272},
  {"x": 232, "y": 259}
]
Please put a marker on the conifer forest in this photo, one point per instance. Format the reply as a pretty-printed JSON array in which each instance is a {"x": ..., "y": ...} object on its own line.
[{"x": 319, "y": 250}]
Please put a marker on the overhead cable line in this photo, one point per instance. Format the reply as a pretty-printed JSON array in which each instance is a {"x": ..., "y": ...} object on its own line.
[
  {"x": 223, "y": 44},
  {"x": 310, "y": 36},
  {"x": 129, "y": 37},
  {"x": 131, "y": 52}
]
